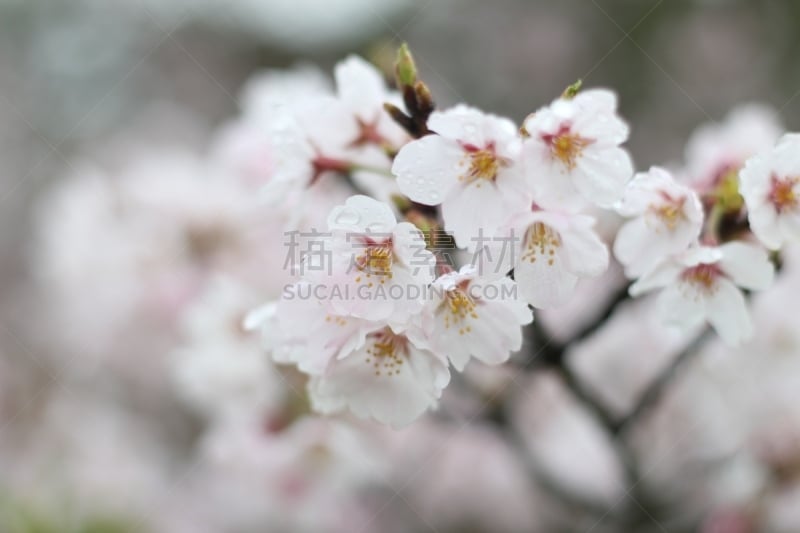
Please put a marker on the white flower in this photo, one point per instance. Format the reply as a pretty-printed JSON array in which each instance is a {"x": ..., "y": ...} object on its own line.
[
  {"x": 307, "y": 147},
  {"x": 551, "y": 252},
  {"x": 473, "y": 316},
  {"x": 363, "y": 91},
  {"x": 717, "y": 151},
  {"x": 573, "y": 151},
  {"x": 304, "y": 331},
  {"x": 244, "y": 146},
  {"x": 365, "y": 367},
  {"x": 392, "y": 377},
  {"x": 332, "y": 134},
  {"x": 668, "y": 218},
  {"x": 770, "y": 185},
  {"x": 379, "y": 266},
  {"x": 471, "y": 167},
  {"x": 702, "y": 284}
]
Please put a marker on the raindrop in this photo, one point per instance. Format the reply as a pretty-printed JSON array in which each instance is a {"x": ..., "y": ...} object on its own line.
[{"x": 347, "y": 217}]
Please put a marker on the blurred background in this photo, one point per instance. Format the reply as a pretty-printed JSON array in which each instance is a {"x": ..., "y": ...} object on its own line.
[{"x": 91, "y": 437}]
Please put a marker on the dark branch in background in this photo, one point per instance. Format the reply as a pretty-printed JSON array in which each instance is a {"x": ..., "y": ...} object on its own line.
[
  {"x": 651, "y": 396},
  {"x": 547, "y": 354}
]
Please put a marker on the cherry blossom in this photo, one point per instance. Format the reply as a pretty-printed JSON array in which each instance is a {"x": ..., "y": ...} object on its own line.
[
  {"x": 393, "y": 377},
  {"x": 380, "y": 266},
  {"x": 475, "y": 316},
  {"x": 703, "y": 284},
  {"x": 667, "y": 218},
  {"x": 572, "y": 152},
  {"x": 551, "y": 252},
  {"x": 348, "y": 132},
  {"x": 471, "y": 168},
  {"x": 716, "y": 152},
  {"x": 770, "y": 185}
]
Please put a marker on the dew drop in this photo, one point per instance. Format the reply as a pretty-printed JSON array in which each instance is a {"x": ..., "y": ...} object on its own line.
[
  {"x": 347, "y": 217},
  {"x": 434, "y": 196}
]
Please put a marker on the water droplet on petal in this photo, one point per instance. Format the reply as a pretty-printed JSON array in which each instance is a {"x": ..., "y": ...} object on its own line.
[
  {"x": 434, "y": 196},
  {"x": 347, "y": 217}
]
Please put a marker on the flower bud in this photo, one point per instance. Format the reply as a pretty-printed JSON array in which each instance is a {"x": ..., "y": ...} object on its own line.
[
  {"x": 572, "y": 91},
  {"x": 405, "y": 69}
]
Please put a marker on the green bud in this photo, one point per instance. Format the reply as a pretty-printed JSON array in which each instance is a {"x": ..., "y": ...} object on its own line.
[
  {"x": 571, "y": 91},
  {"x": 405, "y": 69},
  {"x": 727, "y": 192}
]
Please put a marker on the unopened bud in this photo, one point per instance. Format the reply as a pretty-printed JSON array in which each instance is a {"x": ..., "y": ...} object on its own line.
[
  {"x": 571, "y": 91},
  {"x": 405, "y": 69},
  {"x": 399, "y": 116},
  {"x": 425, "y": 103}
]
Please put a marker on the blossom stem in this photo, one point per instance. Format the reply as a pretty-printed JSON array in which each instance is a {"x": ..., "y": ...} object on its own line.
[{"x": 355, "y": 167}]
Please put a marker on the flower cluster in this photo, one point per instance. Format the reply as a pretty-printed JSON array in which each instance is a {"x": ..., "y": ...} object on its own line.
[
  {"x": 381, "y": 310},
  {"x": 414, "y": 240},
  {"x": 706, "y": 238}
]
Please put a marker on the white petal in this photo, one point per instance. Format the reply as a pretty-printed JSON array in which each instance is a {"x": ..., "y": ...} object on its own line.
[
  {"x": 410, "y": 250},
  {"x": 548, "y": 180},
  {"x": 646, "y": 188},
  {"x": 789, "y": 225},
  {"x": 395, "y": 395},
  {"x": 427, "y": 169},
  {"x": 601, "y": 174},
  {"x": 661, "y": 275},
  {"x": 640, "y": 245},
  {"x": 727, "y": 313},
  {"x": 257, "y": 318},
  {"x": 472, "y": 126},
  {"x": 584, "y": 254},
  {"x": 701, "y": 254},
  {"x": 598, "y": 120},
  {"x": 299, "y": 315},
  {"x": 747, "y": 265},
  {"x": 683, "y": 305},
  {"x": 362, "y": 214},
  {"x": 544, "y": 284},
  {"x": 490, "y": 332},
  {"x": 497, "y": 332},
  {"x": 475, "y": 212},
  {"x": 361, "y": 87},
  {"x": 630, "y": 243}
]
